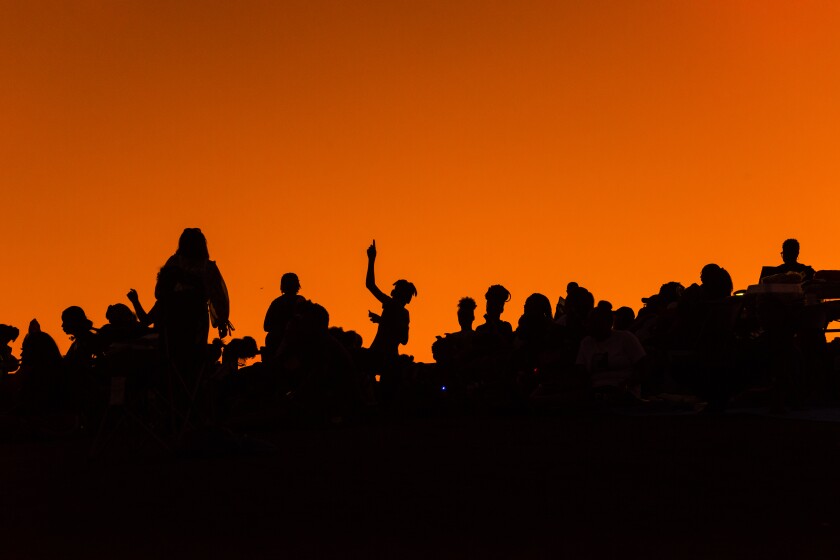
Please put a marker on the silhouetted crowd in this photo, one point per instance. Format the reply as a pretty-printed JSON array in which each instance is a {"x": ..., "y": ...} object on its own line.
[{"x": 700, "y": 347}]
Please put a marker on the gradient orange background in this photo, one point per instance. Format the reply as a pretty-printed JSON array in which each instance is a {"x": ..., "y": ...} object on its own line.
[{"x": 617, "y": 144}]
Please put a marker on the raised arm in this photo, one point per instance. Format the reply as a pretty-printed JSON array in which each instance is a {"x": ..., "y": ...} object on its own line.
[
  {"x": 370, "y": 279},
  {"x": 142, "y": 316}
]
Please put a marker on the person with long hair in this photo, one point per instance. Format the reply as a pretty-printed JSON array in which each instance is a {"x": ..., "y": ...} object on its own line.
[{"x": 191, "y": 296}]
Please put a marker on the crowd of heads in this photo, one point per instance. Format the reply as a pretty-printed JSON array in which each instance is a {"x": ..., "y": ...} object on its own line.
[{"x": 699, "y": 341}]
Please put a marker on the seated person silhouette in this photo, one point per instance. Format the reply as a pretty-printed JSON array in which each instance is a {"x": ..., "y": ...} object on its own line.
[
  {"x": 280, "y": 312},
  {"x": 790, "y": 256},
  {"x": 612, "y": 358},
  {"x": 394, "y": 320}
]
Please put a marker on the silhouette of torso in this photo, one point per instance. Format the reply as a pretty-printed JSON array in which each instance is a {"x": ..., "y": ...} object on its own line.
[
  {"x": 277, "y": 318},
  {"x": 393, "y": 329}
]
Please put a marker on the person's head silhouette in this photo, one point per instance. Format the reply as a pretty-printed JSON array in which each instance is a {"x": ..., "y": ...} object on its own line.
[
  {"x": 289, "y": 283},
  {"x": 193, "y": 245},
  {"x": 119, "y": 314},
  {"x": 790, "y": 251},
  {"x": 74, "y": 321},
  {"x": 716, "y": 281},
  {"x": 403, "y": 291},
  {"x": 466, "y": 313},
  {"x": 538, "y": 305},
  {"x": 497, "y": 296}
]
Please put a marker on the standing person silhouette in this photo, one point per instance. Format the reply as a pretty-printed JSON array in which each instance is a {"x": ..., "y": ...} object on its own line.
[
  {"x": 188, "y": 286},
  {"x": 281, "y": 311},
  {"x": 393, "y": 322}
]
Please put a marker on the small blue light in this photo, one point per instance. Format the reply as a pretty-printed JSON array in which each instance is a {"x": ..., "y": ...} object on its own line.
[{"x": 443, "y": 388}]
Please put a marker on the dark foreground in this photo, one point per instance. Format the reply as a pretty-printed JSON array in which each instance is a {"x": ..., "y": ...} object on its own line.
[{"x": 593, "y": 486}]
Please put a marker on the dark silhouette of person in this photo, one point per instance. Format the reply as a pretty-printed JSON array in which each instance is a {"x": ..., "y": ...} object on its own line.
[
  {"x": 122, "y": 326},
  {"x": 43, "y": 384},
  {"x": 280, "y": 312},
  {"x": 623, "y": 318},
  {"x": 536, "y": 318},
  {"x": 188, "y": 286},
  {"x": 466, "y": 314},
  {"x": 790, "y": 256},
  {"x": 496, "y": 297},
  {"x": 394, "y": 320},
  {"x": 533, "y": 334},
  {"x": 613, "y": 359},
  {"x": 79, "y": 361},
  {"x": 318, "y": 373},
  {"x": 715, "y": 284},
  {"x": 452, "y": 346},
  {"x": 86, "y": 344},
  {"x": 560, "y": 308},
  {"x": 8, "y": 362}
]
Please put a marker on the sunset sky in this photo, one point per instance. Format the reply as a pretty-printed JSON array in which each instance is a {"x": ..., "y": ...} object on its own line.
[{"x": 617, "y": 144}]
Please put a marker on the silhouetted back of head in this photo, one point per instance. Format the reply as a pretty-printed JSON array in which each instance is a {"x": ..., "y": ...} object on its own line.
[
  {"x": 671, "y": 291},
  {"x": 604, "y": 304},
  {"x": 716, "y": 281},
  {"x": 39, "y": 350},
  {"x": 538, "y": 305},
  {"x": 120, "y": 314},
  {"x": 289, "y": 283},
  {"x": 579, "y": 303},
  {"x": 790, "y": 251},
  {"x": 403, "y": 291},
  {"x": 623, "y": 318},
  {"x": 193, "y": 245}
]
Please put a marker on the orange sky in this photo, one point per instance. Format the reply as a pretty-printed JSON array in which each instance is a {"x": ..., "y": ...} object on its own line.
[{"x": 617, "y": 144}]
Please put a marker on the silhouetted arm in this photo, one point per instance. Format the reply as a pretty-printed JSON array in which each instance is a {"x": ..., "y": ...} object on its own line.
[
  {"x": 370, "y": 279},
  {"x": 219, "y": 300},
  {"x": 142, "y": 316}
]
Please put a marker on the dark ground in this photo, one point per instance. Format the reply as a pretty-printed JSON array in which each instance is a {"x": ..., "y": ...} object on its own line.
[{"x": 588, "y": 486}]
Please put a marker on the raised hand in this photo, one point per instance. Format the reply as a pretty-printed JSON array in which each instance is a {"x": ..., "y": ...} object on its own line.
[
  {"x": 132, "y": 295},
  {"x": 371, "y": 251}
]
